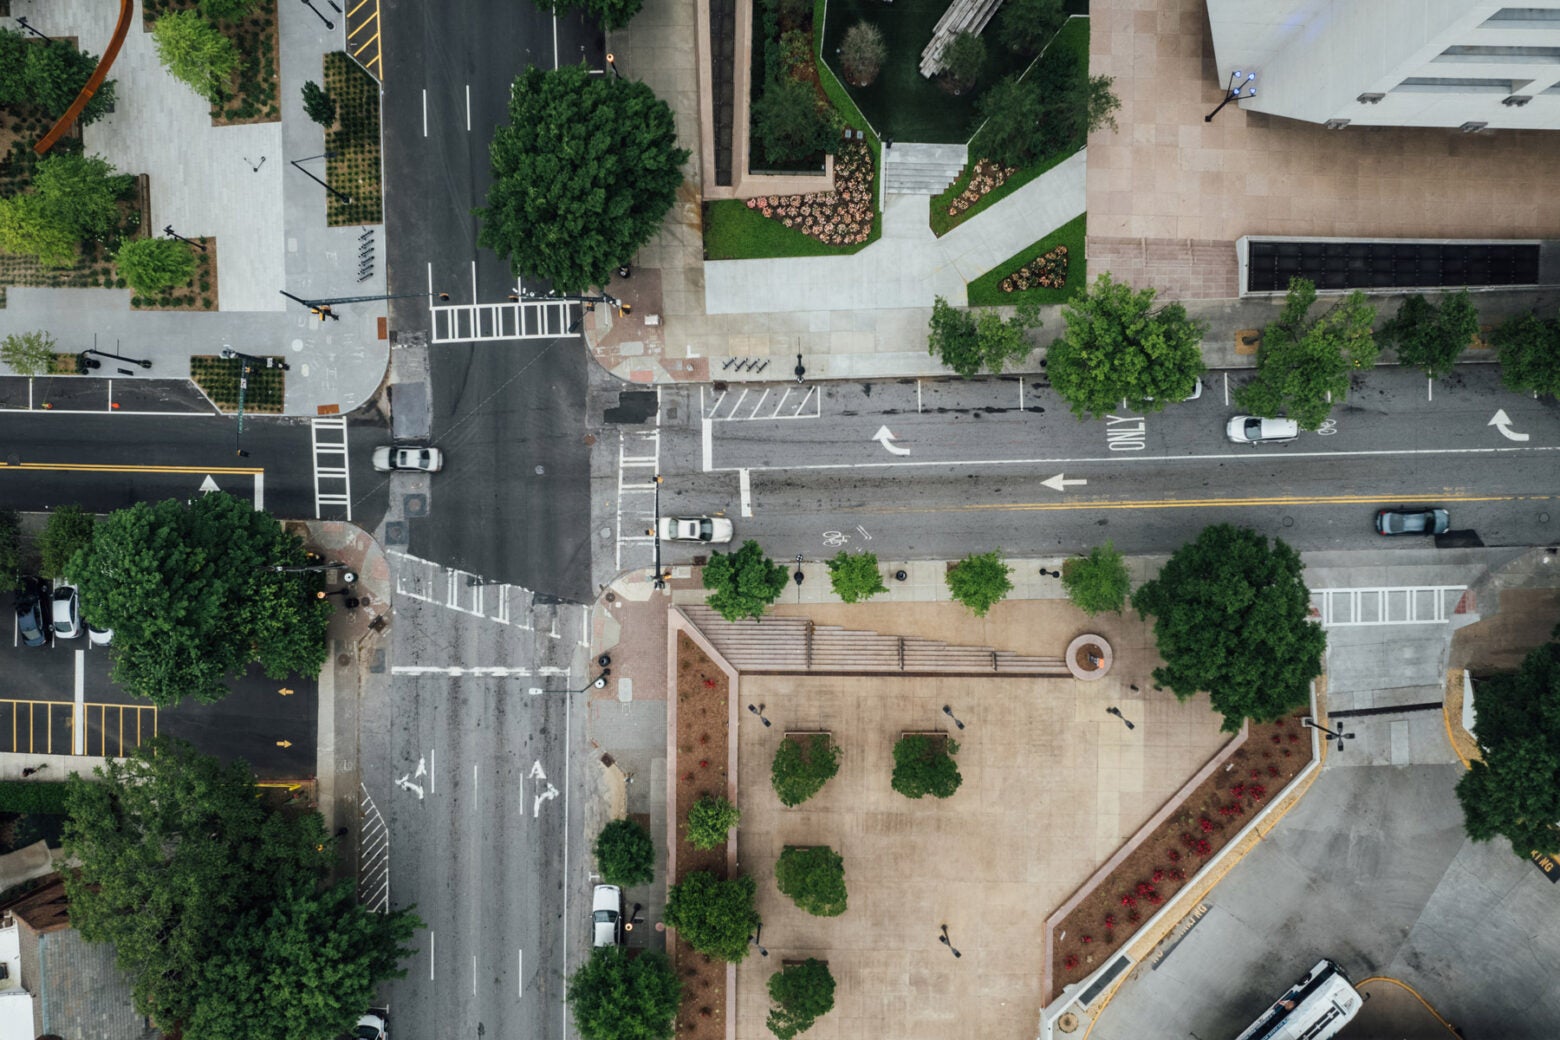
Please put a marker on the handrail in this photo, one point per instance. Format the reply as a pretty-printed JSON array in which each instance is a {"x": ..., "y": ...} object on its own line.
[{"x": 94, "y": 81}]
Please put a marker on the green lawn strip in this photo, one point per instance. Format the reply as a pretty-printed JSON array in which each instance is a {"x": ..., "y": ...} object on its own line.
[
  {"x": 1074, "y": 34},
  {"x": 851, "y": 114},
  {"x": 986, "y": 291},
  {"x": 30, "y": 796}
]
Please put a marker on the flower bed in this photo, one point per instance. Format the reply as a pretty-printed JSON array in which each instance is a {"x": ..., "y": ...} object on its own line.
[
  {"x": 985, "y": 178},
  {"x": 1046, "y": 271},
  {"x": 1171, "y": 854},
  {"x": 841, "y": 217}
]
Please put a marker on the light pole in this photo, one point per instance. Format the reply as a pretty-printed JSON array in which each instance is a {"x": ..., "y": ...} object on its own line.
[
  {"x": 611, "y": 64},
  {"x": 23, "y": 23},
  {"x": 328, "y": 23},
  {"x": 174, "y": 234},
  {"x": 1113, "y": 710},
  {"x": 143, "y": 362},
  {"x": 611, "y": 301},
  {"x": 754, "y": 940},
  {"x": 948, "y": 711},
  {"x": 943, "y": 938},
  {"x": 322, "y": 307},
  {"x": 1233, "y": 92},
  {"x": 1337, "y": 734},
  {"x": 344, "y": 199},
  {"x": 659, "y": 580},
  {"x": 245, "y": 362},
  {"x": 758, "y": 709}
]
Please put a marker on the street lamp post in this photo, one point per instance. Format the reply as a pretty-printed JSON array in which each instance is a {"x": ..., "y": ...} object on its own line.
[
  {"x": 758, "y": 709},
  {"x": 1113, "y": 710},
  {"x": 246, "y": 361},
  {"x": 943, "y": 938},
  {"x": 1336, "y": 734},
  {"x": 143, "y": 362},
  {"x": 174, "y": 234},
  {"x": 658, "y": 581},
  {"x": 322, "y": 307},
  {"x": 612, "y": 64},
  {"x": 22, "y": 21},
  {"x": 344, "y": 199},
  {"x": 328, "y": 23},
  {"x": 1233, "y": 92},
  {"x": 755, "y": 937}
]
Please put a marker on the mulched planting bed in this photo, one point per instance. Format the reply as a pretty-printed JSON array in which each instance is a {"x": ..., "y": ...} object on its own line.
[
  {"x": 199, "y": 295},
  {"x": 842, "y": 217},
  {"x": 354, "y": 169},
  {"x": 1209, "y": 818},
  {"x": 702, "y": 741},
  {"x": 218, "y": 378},
  {"x": 252, "y": 94}
]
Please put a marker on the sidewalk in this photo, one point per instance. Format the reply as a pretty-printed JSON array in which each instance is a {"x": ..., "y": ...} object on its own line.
[{"x": 269, "y": 223}]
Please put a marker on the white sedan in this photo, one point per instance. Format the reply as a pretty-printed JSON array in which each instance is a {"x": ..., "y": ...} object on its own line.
[
  {"x": 695, "y": 529},
  {"x": 392, "y": 457}
]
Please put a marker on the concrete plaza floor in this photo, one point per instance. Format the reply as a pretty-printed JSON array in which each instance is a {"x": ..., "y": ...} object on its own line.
[{"x": 1052, "y": 786}]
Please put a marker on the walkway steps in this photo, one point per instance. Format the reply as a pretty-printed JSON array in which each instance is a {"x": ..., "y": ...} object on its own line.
[
  {"x": 797, "y": 645},
  {"x": 922, "y": 169}
]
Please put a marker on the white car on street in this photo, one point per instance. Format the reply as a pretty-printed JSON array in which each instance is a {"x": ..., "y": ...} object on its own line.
[
  {"x": 606, "y": 916},
  {"x": 390, "y": 457},
  {"x": 1249, "y": 429},
  {"x": 695, "y": 529}
]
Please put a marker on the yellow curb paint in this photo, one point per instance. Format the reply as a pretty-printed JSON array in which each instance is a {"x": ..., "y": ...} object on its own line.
[{"x": 1414, "y": 993}]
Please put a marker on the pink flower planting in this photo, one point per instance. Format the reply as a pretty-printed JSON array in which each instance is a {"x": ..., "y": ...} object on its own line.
[
  {"x": 1047, "y": 271},
  {"x": 842, "y": 217},
  {"x": 985, "y": 178}
]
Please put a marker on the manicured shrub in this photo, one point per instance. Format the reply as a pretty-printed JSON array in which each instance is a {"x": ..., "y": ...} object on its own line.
[
  {"x": 802, "y": 766},
  {"x": 924, "y": 765},
  {"x": 709, "y": 821},
  {"x": 814, "y": 878},
  {"x": 624, "y": 854}
]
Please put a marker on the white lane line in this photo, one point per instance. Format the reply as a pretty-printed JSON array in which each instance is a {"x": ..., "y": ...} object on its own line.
[
  {"x": 747, "y": 493},
  {"x": 476, "y": 782},
  {"x": 709, "y": 445},
  {"x": 260, "y": 492},
  {"x": 431, "y": 940},
  {"x": 568, "y": 764},
  {"x": 1226, "y": 389},
  {"x": 473, "y": 974},
  {"x": 79, "y": 738},
  {"x": 918, "y": 396},
  {"x": 1429, "y": 389},
  {"x": 519, "y": 973},
  {"x": 433, "y": 771},
  {"x": 473, "y": 281},
  {"x": 805, "y": 399},
  {"x": 425, "y": 111},
  {"x": 585, "y": 625},
  {"x": 780, "y": 403},
  {"x": 1020, "y": 393},
  {"x": 468, "y": 108},
  {"x": 430, "y": 277}
]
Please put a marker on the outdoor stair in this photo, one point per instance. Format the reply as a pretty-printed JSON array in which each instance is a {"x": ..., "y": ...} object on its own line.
[
  {"x": 961, "y": 16},
  {"x": 797, "y": 645},
  {"x": 922, "y": 169}
]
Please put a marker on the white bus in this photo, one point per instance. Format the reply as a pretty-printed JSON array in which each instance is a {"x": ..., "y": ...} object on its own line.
[{"x": 1314, "y": 1008}]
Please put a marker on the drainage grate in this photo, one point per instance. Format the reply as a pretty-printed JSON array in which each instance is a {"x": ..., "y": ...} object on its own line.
[
  {"x": 1106, "y": 978},
  {"x": 1338, "y": 264}
]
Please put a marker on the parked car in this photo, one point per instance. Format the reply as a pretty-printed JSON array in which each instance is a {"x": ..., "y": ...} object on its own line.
[
  {"x": 370, "y": 1027},
  {"x": 606, "y": 916},
  {"x": 1412, "y": 521},
  {"x": 66, "y": 611},
  {"x": 1250, "y": 429},
  {"x": 695, "y": 529},
  {"x": 390, "y": 457},
  {"x": 32, "y": 627},
  {"x": 99, "y": 636}
]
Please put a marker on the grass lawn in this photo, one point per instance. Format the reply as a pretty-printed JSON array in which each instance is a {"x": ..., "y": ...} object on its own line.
[
  {"x": 1073, "y": 35},
  {"x": 901, "y": 102},
  {"x": 986, "y": 290}
]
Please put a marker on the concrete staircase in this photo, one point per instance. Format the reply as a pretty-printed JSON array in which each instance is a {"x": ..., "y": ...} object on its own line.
[
  {"x": 922, "y": 169},
  {"x": 790, "y": 644}
]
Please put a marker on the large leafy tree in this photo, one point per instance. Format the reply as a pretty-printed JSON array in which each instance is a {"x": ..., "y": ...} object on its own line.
[
  {"x": 152, "y": 265},
  {"x": 1049, "y": 112},
  {"x": 924, "y": 766},
  {"x": 196, "y": 53},
  {"x": 1027, "y": 26},
  {"x": 192, "y": 596},
  {"x": 1529, "y": 349},
  {"x": 608, "y": 14},
  {"x": 789, "y": 123},
  {"x": 1304, "y": 365},
  {"x": 28, "y": 353},
  {"x": 802, "y": 765},
  {"x": 855, "y": 576},
  {"x": 1119, "y": 347},
  {"x": 1231, "y": 616},
  {"x": 10, "y": 549},
  {"x": 624, "y": 854},
  {"x": 814, "y": 878},
  {"x": 217, "y": 904},
  {"x": 582, "y": 176},
  {"x": 743, "y": 583},
  {"x": 28, "y": 226},
  {"x": 980, "y": 581},
  {"x": 710, "y": 820},
  {"x": 67, "y": 531},
  {"x": 1097, "y": 582},
  {"x": 1514, "y": 790},
  {"x": 716, "y": 917},
  {"x": 617, "y": 998},
  {"x": 49, "y": 74},
  {"x": 81, "y": 191},
  {"x": 802, "y": 993},
  {"x": 1429, "y": 336}
]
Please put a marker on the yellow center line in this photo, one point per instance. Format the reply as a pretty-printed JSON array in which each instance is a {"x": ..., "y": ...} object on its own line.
[
  {"x": 1205, "y": 503},
  {"x": 92, "y": 467}
]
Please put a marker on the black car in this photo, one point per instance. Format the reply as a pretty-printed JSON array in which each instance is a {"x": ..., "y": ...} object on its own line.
[{"x": 31, "y": 625}]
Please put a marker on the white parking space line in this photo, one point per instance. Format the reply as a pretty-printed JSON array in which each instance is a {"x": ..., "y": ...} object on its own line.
[
  {"x": 747, "y": 492},
  {"x": 759, "y": 404},
  {"x": 79, "y": 711},
  {"x": 260, "y": 491},
  {"x": 709, "y": 445},
  {"x": 638, "y": 451},
  {"x": 468, "y": 108}
]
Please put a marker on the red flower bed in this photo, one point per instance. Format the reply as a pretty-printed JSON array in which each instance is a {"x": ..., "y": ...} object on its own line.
[
  {"x": 1047, "y": 271},
  {"x": 841, "y": 217}
]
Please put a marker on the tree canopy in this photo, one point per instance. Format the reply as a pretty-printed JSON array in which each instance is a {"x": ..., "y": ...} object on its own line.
[
  {"x": 49, "y": 74},
  {"x": 1529, "y": 353},
  {"x": 582, "y": 175},
  {"x": 814, "y": 878},
  {"x": 925, "y": 766},
  {"x": 191, "y": 595},
  {"x": 67, "y": 531},
  {"x": 1117, "y": 348},
  {"x": 152, "y": 265},
  {"x": 1232, "y": 617},
  {"x": 855, "y": 576},
  {"x": 610, "y": 15},
  {"x": 802, "y": 994},
  {"x": 1027, "y": 26},
  {"x": 28, "y": 353},
  {"x": 318, "y": 105},
  {"x": 625, "y": 855},
  {"x": 218, "y": 904},
  {"x": 710, "y": 820},
  {"x": 789, "y": 122},
  {"x": 29, "y": 227},
  {"x": 1514, "y": 790},
  {"x": 966, "y": 342},
  {"x": 1049, "y": 112},
  {"x": 1432, "y": 337},
  {"x": 743, "y": 583},
  {"x": 716, "y": 917},
  {"x": 1303, "y": 366},
  {"x": 802, "y": 765},
  {"x": 195, "y": 53},
  {"x": 81, "y": 192},
  {"x": 1097, "y": 582},
  {"x": 980, "y": 581},
  {"x": 615, "y": 997}
]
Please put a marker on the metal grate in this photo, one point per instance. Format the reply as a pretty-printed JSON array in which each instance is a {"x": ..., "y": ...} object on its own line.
[{"x": 1335, "y": 264}]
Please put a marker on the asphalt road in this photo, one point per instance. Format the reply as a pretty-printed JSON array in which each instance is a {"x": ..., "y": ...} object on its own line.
[{"x": 966, "y": 467}]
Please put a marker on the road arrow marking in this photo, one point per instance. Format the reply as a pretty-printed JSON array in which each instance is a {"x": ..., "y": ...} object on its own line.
[
  {"x": 1061, "y": 483},
  {"x": 536, "y": 803},
  {"x": 1502, "y": 423},
  {"x": 284, "y": 743},
  {"x": 883, "y": 437},
  {"x": 208, "y": 485}
]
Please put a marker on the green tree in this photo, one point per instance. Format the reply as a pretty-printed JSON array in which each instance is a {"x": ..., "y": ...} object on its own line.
[
  {"x": 1118, "y": 347},
  {"x": 1011, "y": 114},
  {"x": 715, "y": 917},
  {"x": 196, "y": 53},
  {"x": 814, "y": 878},
  {"x": 28, "y": 353},
  {"x": 1232, "y": 616},
  {"x": 709, "y": 820},
  {"x": 925, "y": 766},
  {"x": 966, "y": 343},
  {"x": 980, "y": 581},
  {"x": 191, "y": 595},
  {"x": 1529, "y": 349},
  {"x": 1513, "y": 791},
  {"x": 801, "y": 767},
  {"x": 1093, "y": 104},
  {"x": 963, "y": 60},
  {"x": 54, "y": 75},
  {"x": 154, "y": 265},
  {"x": 319, "y": 106},
  {"x": 581, "y": 177},
  {"x": 743, "y": 583},
  {"x": 67, "y": 531},
  {"x": 13, "y": 68},
  {"x": 855, "y": 576},
  {"x": 1026, "y": 26},
  {"x": 1431, "y": 337},
  {"x": 226, "y": 10},
  {"x": 1303, "y": 366},
  {"x": 10, "y": 549},
  {"x": 217, "y": 904},
  {"x": 29, "y": 227},
  {"x": 81, "y": 192},
  {"x": 803, "y": 992},
  {"x": 615, "y": 997},
  {"x": 862, "y": 51},
  {"x": 1097, "y": 582},
  {"x": 610, "y": 15},
  {"x": 790, "y": 122},
  {"x": 624, "y": 854}
]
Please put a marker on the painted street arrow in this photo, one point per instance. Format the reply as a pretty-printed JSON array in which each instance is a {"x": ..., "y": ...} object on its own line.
[
  {"x": 883, "y": 437},
  {"x": 536, "y": 803},
  {"x": 1502, "y": 423},
  {"x": 1061, "y": 483},
  {"x": 208, "y": 485}
]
